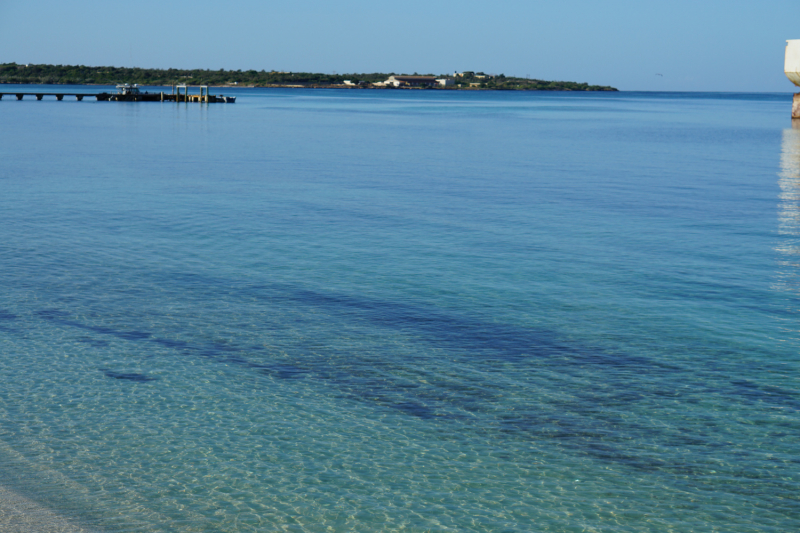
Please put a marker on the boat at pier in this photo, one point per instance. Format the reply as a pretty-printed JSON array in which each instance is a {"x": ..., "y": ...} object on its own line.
[
  {"x": 131, "y": 93},
  {"x": 180, "y": 93}
]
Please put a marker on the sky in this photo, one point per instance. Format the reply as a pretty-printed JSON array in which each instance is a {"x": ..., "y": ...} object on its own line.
[{"x": 680, "y": 45}]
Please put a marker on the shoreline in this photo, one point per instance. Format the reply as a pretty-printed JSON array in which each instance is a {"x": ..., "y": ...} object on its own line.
[
  {"x": 19, "y": 514},
  {"x": 347, "y": 87}
]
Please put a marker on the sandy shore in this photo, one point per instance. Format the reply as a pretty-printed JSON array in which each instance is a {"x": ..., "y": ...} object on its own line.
[{"x": 21, "y": 515}]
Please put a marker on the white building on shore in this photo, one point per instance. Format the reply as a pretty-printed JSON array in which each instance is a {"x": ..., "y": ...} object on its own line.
[
  {"x": 411, "y": 81},
  {"x": 415, "y": 81}
]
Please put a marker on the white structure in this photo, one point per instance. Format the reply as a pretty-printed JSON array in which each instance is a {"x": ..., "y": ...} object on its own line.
[
  {"x": 791, "y": 66},
  {"x": 411, "y": 81},
  {"x": 445, "y": 82}
]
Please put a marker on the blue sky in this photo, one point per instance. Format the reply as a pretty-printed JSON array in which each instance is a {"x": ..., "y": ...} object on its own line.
[{"x": 694, "y": 45}]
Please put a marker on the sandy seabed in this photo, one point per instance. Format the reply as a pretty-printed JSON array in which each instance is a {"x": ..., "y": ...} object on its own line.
[{"x": 19, "y": 514}]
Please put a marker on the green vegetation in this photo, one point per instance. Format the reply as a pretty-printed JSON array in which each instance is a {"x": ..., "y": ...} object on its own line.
[
  {"x": 479, "y": 80},
  {"x": 65, "y": 74},
  {"x": 82, "y": 75}
]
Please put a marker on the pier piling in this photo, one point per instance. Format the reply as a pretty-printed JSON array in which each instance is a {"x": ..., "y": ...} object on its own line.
[
  {"x": 796, "y": 106},
  {"x": 126, "y": 93}
]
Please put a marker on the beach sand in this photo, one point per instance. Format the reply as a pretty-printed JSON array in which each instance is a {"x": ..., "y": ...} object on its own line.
[{"x": 22, "y": 515}]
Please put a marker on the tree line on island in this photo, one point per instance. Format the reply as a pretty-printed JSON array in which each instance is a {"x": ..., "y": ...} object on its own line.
[{"x": 83, "y": 75}]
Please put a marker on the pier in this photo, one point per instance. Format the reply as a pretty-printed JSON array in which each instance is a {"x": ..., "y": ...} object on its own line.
[
  {"x": 133, "y": 93},
  {"x": 39, "y": 96}
]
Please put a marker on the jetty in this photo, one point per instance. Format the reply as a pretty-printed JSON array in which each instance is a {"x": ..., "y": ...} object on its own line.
[{"x": 134, "y": 93}]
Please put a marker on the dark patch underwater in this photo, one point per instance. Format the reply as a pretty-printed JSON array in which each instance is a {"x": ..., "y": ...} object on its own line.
[{"x": 128, "y": 376}]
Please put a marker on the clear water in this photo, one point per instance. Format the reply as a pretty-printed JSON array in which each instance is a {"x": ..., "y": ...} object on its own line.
[{"x": 403, "y": 310}]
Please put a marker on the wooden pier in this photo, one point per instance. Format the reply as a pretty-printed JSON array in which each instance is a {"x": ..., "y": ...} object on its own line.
[
  {"x": 127, "y": 93},
  {"x": 39, "y": 96}
]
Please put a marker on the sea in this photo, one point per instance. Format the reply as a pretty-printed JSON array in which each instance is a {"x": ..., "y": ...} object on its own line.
[{"x": 400, "y": 310}]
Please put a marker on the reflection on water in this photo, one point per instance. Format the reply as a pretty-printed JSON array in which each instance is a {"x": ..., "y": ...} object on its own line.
[
  {"x": 789, "y": 216},
  {"x": 789, "y": 212}
]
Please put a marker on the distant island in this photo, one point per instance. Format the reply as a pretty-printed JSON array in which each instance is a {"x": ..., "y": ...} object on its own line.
[{"x": 468, "y": 80}]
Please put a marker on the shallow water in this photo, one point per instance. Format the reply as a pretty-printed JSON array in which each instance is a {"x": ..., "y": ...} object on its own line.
[{"x": 383, "y": 310}]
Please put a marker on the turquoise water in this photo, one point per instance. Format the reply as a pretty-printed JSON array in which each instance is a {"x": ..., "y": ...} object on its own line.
[{"x": 403, "y": 310}]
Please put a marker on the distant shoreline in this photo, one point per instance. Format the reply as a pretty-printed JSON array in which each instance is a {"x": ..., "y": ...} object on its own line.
[
  {"x": 29, "y": 74},
  {"x": 366, "y": 88}
]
